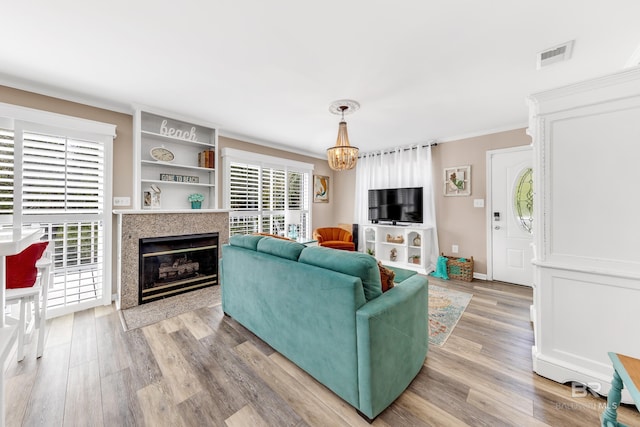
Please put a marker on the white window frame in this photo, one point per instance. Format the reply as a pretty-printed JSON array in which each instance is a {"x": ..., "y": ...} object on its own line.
[
  {"x": 18, "y": 118},
  {"x": 232, "y": 155}
]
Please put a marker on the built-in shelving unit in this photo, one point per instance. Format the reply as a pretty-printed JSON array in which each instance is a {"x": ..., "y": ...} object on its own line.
[
  {"x": 185, "y": 139},
  {"x": 398, "y": 246}
]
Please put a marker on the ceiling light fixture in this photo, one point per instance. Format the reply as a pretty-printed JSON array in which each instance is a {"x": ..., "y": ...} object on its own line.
[{"x": 343, "y": 156}]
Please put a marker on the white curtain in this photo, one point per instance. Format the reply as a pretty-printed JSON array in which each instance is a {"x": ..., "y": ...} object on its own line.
[{"x": 400, "y": 167}]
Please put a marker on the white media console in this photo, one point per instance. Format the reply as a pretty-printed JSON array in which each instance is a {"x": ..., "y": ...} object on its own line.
[{"x": 398, "y": 246}]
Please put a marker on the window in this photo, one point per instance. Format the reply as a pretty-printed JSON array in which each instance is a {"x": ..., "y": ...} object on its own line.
[
  {"x": 523, "y": 200},
  {"x": 52, "y": 175},
  {"x": 262, "y": 190}
]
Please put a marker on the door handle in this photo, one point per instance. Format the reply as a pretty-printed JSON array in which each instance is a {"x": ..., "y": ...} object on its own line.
[{"x": 497, "y": 227}]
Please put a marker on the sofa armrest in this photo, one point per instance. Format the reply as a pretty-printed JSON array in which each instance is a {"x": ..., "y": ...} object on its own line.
[{"x": 393, "y": 338}]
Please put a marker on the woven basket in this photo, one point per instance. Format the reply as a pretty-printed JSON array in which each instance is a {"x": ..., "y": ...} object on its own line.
[{"x": 458, "y": 269}]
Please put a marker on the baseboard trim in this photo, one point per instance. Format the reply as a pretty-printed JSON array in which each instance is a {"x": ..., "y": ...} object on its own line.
[
  {"x": 562, "y": 372},
  {"x": 479, "y": 276}
]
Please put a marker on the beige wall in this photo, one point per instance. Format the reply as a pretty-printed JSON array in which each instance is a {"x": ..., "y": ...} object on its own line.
[
  {"x": 344, "y": 196},
  {"x": 458, "y": 222}
]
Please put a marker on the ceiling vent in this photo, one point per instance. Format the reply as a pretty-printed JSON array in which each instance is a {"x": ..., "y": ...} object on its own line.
[{"x": 555, "y": 54}]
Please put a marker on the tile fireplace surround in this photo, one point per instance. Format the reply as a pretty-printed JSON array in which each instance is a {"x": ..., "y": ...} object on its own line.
[{"x": 133, "y": 225}]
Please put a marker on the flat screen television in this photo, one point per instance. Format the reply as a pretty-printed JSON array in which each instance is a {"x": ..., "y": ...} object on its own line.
[{"x": 396, "y": 205}]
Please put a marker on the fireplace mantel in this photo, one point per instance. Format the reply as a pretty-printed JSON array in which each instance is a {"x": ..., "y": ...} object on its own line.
[
  {"x": 165, "y": 211},
  {"x": 132, "y": 225}
]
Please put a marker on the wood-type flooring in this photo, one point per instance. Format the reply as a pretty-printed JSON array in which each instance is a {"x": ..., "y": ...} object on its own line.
[{"x": 204, "y": 369}]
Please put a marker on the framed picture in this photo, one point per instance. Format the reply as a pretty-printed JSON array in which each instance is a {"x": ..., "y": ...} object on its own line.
[
  {"x": 320, "y": 189},
  {"x": 457, "y": 181}
]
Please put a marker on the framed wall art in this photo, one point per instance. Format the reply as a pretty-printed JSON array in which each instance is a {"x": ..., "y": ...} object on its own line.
[
  {"x": 320, "y": 189},
  {"x": 457, "y": 181}
]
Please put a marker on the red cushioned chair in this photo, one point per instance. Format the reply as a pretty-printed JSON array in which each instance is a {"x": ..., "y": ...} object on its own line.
[
  {"x": 28, "y": 282},
  {"x": 334, "y": 237}
]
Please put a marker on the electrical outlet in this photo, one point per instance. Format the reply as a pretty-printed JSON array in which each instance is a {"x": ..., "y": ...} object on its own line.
[
  {"x": 121, "y": 201},
  {"x": 454, "y": 249}
]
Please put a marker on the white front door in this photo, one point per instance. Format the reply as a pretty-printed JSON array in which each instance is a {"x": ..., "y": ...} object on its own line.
[{"x": 511, "y": 215}]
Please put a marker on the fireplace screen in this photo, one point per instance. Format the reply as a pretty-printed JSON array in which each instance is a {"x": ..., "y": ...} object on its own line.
[{"x": 176, "y": 264}]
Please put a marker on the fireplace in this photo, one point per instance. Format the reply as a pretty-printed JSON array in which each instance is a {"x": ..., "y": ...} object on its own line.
[{"x": 173, "y": 265}]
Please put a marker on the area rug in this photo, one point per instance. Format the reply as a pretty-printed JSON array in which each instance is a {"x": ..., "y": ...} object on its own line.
[
  {"x": 152, "y": 312},
  {"x": 445, "y": 309}
]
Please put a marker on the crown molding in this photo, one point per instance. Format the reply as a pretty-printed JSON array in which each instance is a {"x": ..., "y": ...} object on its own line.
[
  {"x": 64, "y": 94},
  {"x": 270, "y": 144},
  {"x": 485, "y": 132}
]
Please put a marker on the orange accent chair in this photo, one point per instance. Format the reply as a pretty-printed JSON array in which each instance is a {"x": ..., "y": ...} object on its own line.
[{"x": 334, "y": 237}]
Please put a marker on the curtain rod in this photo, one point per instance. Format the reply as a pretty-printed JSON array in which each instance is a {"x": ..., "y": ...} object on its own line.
[{"x": 432, "y": 143}]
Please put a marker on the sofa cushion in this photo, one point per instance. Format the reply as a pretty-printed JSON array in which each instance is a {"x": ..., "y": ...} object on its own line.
[
  {"x": 355, "y": 264},
  {"x": 286, "y": 249},
  {"x": 402, "y": 274},
  {"x": 246, "y": 241}
]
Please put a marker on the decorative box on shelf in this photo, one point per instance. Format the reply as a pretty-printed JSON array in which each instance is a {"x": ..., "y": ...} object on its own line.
[
  {"x": 396, "y": 239},
  {"x": 459, "y": 268}
]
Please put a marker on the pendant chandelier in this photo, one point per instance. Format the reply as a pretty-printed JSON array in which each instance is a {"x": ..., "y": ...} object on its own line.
[{"x": 343, "y": 156}]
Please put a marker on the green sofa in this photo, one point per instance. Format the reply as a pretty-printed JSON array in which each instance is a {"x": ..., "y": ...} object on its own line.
[{"x": 323, "y": 309}]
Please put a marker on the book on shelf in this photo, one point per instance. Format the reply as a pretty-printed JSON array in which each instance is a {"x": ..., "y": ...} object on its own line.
[{"x": 206, "y": 159}]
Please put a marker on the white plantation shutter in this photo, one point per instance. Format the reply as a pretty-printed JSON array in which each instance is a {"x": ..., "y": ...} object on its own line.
[
  {"x": 261, "y": 189},
  {"x": 273, "y": 200},
  {"x": 244, "y": 196},
  {"x": 6, "y": 172},
  {"x": 244, "y": 187},
  {"x": 61, "y": 174},
  {"x": 298, "y": 198},
  {"x": 52, "y": 175}
]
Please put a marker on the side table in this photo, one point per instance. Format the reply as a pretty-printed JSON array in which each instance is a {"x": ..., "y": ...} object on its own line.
[{"x": 626, "y": 372}]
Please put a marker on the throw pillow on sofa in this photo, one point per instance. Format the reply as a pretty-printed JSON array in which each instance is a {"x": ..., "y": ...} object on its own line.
[{"x": 386, "y": 277}]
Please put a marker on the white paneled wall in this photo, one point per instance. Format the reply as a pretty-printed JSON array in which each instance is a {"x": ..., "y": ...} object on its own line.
[{"x": 587, "y": 233}]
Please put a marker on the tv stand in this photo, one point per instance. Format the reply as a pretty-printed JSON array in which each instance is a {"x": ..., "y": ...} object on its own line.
[{"x": 385, "y": 240}]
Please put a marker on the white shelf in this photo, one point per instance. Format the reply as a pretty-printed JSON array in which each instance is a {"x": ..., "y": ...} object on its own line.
[
  {"x": 392, "y": 244},
  {"x": 175, "y": 165},
  {"x": 191, "y": 184},
  {"x": 173, "y": 140}
]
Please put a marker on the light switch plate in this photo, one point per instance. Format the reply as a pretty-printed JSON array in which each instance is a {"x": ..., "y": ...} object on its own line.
[
  {"x": 454, "y": 249},
  {"x": 478, "y": 203},
  {"x": 122, "y": 201}
]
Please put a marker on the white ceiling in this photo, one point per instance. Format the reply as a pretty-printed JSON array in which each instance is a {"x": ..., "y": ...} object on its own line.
[{"x": 268, "y": 70}]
